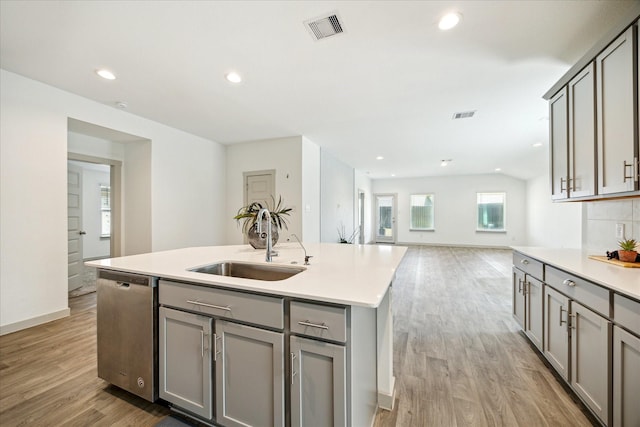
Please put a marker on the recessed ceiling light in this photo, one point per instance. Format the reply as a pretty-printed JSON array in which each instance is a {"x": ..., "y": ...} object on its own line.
[
  {"x": 106, "y": 74},
  {"x": 537, "y": 144},
  {"x": 445, "y": 162},
  {"x": 233, "y": 77},
  {"x": 379, "y": 158},
  {"x": 393, "y": 174},
  {"x": 449, "y": 21},
  {"x": 497, "y": 169}
]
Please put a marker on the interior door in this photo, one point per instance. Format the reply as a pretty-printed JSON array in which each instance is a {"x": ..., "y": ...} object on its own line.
[
  {"x": 385, "y": 218},
  {"x": 259, "y": 187},
  {"x": 74, "y": 225}
]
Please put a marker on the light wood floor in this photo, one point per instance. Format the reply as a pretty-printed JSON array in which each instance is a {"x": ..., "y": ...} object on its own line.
[{"x": 459, "y": 358}]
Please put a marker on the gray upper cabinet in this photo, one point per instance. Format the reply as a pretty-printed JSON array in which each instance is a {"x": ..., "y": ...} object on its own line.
[
  {"x": 617, "y": 116},
  {"x": 559, "y": 142},
  {"x": 318, "y": 383},
  {"x": 185, "y": 361},
  {"x": 626, "y": 378},
  {"x": 582, "y": 134},
  {"x": 249, "y": 376}
]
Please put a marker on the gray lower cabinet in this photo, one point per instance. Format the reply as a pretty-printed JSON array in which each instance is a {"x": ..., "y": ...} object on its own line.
[
  {"x": 556, "y": 330},
  {"x": 318, "y": 383},
  {"x": 185, "y": 361},
  {"x": 249, "y": 375},
  {"x": 626, "y": 378},
  {"x": 590, "y": 359},
  {"x": 518, "y": 305},
  {"x": 534, "y": 298}
]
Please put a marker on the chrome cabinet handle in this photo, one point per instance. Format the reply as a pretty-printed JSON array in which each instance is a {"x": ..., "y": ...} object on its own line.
[
  {"x": 293, "y": 372},
  {"x": 572, "y": 321},
  {"x": 562, "y": 182},
  {"x": 569, "y": 282},
  {"x": 520, "y": 285},
  {"x": 524, "y": 261},
  {"x": 561, "y": 311},
  {"x": 201, "y": 343},
  {"x": 216, "y": 337},
  {"x": 204, "y": 304},
  {"x": 624, "y": 171},
  {"x": 313, "y": 325}
]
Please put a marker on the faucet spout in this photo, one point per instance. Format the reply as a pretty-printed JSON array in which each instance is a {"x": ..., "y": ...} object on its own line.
[{"x": 262, "y": 213}]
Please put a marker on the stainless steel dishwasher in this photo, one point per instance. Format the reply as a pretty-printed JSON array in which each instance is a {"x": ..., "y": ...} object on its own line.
[{"x": 127, "y": 306}]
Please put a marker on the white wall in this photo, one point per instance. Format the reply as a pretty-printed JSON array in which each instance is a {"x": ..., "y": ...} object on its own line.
[
  {"x": 284, "y": 155},
  {"x": 549, "y": 224},
  {"x": 363, "y": 183},
  {"x": 455, "y": 209},
  {"x": 336, "y": 198},
  {"x": 137, "y": 207},
  {"x": 600, "y": 219},
  {"x": 186, "y": 171},
  {"x": 310, "y": 192}
]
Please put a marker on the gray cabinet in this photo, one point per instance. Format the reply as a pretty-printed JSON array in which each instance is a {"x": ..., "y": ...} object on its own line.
[
  {"x": 559, "y": 145},
  {"x": 185, "y": 361},
  {"x": 590, "y": 359},
  {"x": 318, "y": 383},
  {"x": 616, "y": 116},
  {"x": 534, "y": 298},
  {"x": 626, "y": 378},
  {"x": 517, "y": 306},
  {"x": 582, "y": 134},
  {"x": 556, "y": 330},
  {"x": 249, "y": 375}
]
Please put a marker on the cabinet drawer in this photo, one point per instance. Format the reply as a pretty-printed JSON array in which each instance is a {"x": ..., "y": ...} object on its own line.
[
  {"x": 589, "y": 294},
  {"x": 626, "y": 312},
  {"x": 230, "y": 305},
  {"x": 319, "y": 321},
  {"x": 529, "y": 265}
]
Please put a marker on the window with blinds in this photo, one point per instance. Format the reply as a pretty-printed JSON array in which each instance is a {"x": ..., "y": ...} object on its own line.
[{"x": 421, "y": 212}]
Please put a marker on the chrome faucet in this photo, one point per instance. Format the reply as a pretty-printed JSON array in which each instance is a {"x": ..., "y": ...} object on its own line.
[
  {"x": 270, "y": 252},
  {"x": 306, "y": 257}
]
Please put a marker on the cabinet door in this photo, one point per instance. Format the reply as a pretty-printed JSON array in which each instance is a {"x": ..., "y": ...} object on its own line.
[
  {"x": 556, "y": 342},
  {"x": 582, "y": 134},
  {"x": 616, "y": 113},
  {"x": 249, "y": 375},
  {"x": 517, "y": 306},
  {"x": 559, "y": 145},
  {"x": 590, "y": 359},
  {"x": 318, "y": 383},
  {"x": 626, "y": 378},
  {"x": 534, "y": 313},
  {"x": 185, "y": 361}
]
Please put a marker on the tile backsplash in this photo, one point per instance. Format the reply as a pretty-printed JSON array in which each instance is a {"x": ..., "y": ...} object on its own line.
[{"x": 600, "y": 219}]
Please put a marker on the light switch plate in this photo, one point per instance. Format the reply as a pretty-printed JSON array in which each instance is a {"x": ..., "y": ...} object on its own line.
[{"x": 619, "y": 231}]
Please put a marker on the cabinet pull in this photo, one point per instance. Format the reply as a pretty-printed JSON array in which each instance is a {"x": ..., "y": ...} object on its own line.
[
  {"x": 202, "y": 343},
  {"x": 569, "y": 282},
  {"x": 313, "y": 325},
  {"x": 624, "y": 170},
  {"x": 520, "y": 285},
  {"x": 562, "y": 321},
  {"x": 572, "y": 320},
  {"x": 562, "y": 187},
  {"x": 524, "y": 261},
  {"x": 215, "y": 347},
  {"x": 293, "y": 371},
  {"x": 204, "y": 304}
]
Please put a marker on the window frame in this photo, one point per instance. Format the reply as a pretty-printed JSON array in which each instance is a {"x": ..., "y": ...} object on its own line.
[
  {"x": 433, "y": 212},
  {"x": 105, "y": 208},
  {"x": 504, "y": 212}
]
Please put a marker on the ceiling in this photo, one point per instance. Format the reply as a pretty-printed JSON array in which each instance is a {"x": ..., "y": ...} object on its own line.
[{"x": 388, "y": 86}]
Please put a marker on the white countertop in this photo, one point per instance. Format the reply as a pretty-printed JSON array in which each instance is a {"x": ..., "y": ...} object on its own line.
[
  {"x": 339, "y": 273},
  {"x": 623, "y": 280}
]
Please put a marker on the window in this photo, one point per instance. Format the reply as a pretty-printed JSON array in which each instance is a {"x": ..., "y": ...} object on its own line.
[
  {"x": 491, "y": 211},
  {"x": 105, "y": 210},
  {"x": 421, "y": 216}
]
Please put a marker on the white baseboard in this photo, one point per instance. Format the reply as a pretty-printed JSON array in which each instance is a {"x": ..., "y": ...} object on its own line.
[
  {"x": 34, "y": 321},
  {"x": 386, "y": 401}
]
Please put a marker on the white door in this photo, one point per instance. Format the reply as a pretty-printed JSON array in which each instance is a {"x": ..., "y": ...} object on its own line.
[
  {"x": 74, "y": 225},
  {"x": 259, "y": 187},
  {"x": 385, "y": 218}
]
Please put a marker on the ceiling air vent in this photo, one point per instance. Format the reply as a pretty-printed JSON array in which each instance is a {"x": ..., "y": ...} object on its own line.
[
  {"x": 325, "y": 26},
  {"x": 463, "y": 115}
]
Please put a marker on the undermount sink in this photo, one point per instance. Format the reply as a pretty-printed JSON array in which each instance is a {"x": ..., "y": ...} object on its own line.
[{"x": 246, "y": 270}]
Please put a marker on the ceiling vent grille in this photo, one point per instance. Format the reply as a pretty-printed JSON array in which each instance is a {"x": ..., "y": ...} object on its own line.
[
  {"x": 325, "y": 26},
  {"x": 463, "y": 115}
]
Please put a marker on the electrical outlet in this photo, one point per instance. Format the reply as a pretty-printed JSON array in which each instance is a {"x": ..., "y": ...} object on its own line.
[{"x": 619, "y": 231}]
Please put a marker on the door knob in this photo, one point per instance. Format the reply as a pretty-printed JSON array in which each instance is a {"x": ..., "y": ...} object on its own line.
[{"x": 82, "y": 233}]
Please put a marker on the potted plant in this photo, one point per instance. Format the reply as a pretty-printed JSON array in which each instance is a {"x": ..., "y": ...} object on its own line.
[
  {"x": 248, "y": 215},
  {"x": 627, "y": 250}
]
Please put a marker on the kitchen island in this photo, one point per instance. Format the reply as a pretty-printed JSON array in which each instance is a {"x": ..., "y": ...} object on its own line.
[{"x": 311, "y": 349}]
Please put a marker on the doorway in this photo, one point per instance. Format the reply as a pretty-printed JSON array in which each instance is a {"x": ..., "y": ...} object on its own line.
[
  {"x": 259, "y": 186},
  {"x": 385, "y": 215},
  {"x": 361, "y": 220}
]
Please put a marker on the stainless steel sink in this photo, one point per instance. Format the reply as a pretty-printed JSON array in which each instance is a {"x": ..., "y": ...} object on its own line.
[{"x": 245, "y": 270}]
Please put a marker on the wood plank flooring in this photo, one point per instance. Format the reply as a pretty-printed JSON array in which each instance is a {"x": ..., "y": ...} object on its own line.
[{"x": 459, "y": 358}]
